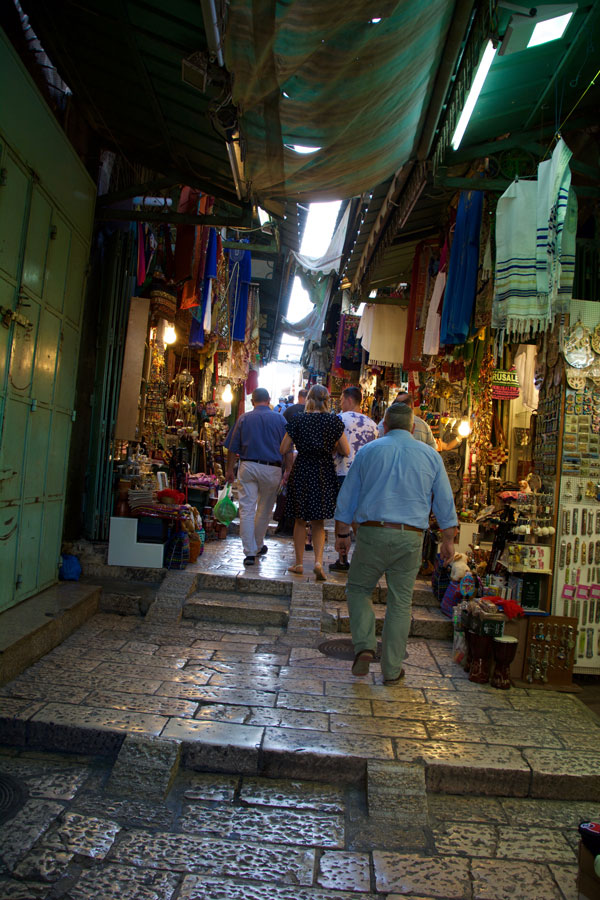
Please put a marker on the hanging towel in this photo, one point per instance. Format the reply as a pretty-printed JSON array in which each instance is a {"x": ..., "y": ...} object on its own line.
[
  {"x": 525, "y": 358},
  {"x": 518, "y": 306},
  {"x": 388, "y": 335},
  {"x": 462, "y": 271},
  {"x": 554, "y": 181},
  {"x": 431, "y": 342},
  {"x": 365, "y": 329}
]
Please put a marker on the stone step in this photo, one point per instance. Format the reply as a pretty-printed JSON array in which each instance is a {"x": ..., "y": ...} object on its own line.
[
  {"x": 422, "y": 593},
  {"x": 238, "y": 608},
  {"x": 426, "y": 622}
]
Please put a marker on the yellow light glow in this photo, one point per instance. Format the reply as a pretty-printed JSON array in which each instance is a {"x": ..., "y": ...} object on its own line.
[
  {"x": 464, "y": 427},
  {"x": 227, "y": 395},
  {"x": 170, "y": 335}
]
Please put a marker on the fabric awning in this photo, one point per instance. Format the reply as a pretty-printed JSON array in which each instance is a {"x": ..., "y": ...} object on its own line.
[{"x": 327, "y": 75}]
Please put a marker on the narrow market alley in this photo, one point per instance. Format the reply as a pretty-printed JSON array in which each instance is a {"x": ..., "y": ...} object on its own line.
[{"x": 186, "y": 753}]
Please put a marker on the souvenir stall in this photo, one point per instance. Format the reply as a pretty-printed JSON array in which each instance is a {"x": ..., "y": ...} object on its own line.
[{"x": 189, "y": 363}]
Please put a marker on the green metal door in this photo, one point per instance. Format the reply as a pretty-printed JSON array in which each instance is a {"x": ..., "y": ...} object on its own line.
[{"x": 43, "y": 260}]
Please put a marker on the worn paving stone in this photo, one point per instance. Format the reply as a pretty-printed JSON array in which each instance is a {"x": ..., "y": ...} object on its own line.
[
  {"x": 381, "y": 726},
  {"x": 566, "y": 879},
  {"x": 288, "y": 718},
  {"x": 31, "y": 689},
  {"x": 535, "y": 844},
  {"x": 468, "y": 768},
  {"x": 153, "y": 673},
  {"x": 344, "y": 871},
  {"x": 19, "y": 834},
  {"x": 145, "y": 767},
  {"x": 457, "y": 699},
  {"x": 423, "y": 712},
  {"x": 564, "y": 774},
  {"x": 449, "y": 807},
  {"x": 269, "y": 826},
  {"x": 242, "y": 697},
  {"x": 396, "y": 792},
  {"x": 343, "y": 705},
  {"x": 85, "y": 835},
  {"x": 102, "y": 719},
  {"x": 244, "y": 736},
  {"x": 19, "y": 707},
  {"x": 493, "y": 734},
  {"x": 211, "y": 787},
  {"x": 466, "y": 839},
  {"x": 159, "y": 706},
  {"x": 293, "y": 794},
  {"x": 199, "y": 855},
  {"x": 312, "y": 742},
  {"x": 44, "y": 863},
  {"x": 269, "y": 683},
  {"x": 558, "y": 814},
  {"x": 114, "y": 882},
  {"x": 11, "y": 889},
  {"x": 138, "y": 661},
  {"x": 368, "y": 691},
  {"x": 195, "y": 888},
  {"x": 446, "y": 877},
  {"x": 580, "y": 740},
  {"x": 133, "y": 813},
  {"x": 577, "y": 720},
  {"x": 506, "y": 880},
  {"x": 45, "y": 779}
]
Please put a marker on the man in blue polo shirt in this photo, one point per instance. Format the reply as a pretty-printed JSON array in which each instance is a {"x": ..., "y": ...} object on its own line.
[{"x": 255, "y": 440}]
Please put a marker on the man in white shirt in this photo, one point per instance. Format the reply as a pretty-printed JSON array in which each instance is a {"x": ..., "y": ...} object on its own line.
[{"x": 360, "y": 430}]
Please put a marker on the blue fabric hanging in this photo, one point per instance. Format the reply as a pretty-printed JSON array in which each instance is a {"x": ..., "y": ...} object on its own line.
[
  {"x": 240, "y": 276},
  {"x": 461, "y": 285}
]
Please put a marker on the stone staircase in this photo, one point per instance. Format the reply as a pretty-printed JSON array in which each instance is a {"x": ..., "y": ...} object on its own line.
[
  {"x": 239, "y": 601},
  {"x": 426, "y": 622}
]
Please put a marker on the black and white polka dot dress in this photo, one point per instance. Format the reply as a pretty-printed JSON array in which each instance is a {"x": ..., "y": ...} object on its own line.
[{"x": 312, "y": 486}]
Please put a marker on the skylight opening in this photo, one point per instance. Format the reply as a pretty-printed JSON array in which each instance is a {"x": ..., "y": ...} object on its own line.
[
  {"x": 300, "y": 148},
  {"x": 550, "y": 30}
]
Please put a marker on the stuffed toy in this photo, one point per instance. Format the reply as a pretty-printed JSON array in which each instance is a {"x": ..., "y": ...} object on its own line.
[{"x": 463, "y": 584}]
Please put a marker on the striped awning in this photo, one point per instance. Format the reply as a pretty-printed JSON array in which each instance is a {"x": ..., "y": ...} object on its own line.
[{"x": 348, "y": 77}]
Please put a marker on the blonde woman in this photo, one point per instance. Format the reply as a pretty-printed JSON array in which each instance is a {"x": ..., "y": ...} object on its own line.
[{"x": 312, "y": 485}]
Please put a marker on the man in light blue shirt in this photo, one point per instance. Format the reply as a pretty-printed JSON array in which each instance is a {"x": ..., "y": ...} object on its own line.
[{"x": 389, "y": 491}]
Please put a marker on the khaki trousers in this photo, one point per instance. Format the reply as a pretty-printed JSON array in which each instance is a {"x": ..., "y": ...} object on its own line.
[
  {"x": 258, "y": 486},
  {"x": 397, "y": 554}
]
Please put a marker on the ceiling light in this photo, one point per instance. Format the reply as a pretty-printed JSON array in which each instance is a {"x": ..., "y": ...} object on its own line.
[
  {"x": 372, "y": 294},
  {"x": 299, "y": 148},
  {"x": 375, "y": 20},
  {"x": 263, "y": 216},
  {"x": 284, "y": 94},
  {"x": 480, "y": 76},
  {"x": 536, "y": 26},
  {"x": 550, "y": 30},
  {"x": 464, "y": 427},
  {"x": 227, "y": 395}
]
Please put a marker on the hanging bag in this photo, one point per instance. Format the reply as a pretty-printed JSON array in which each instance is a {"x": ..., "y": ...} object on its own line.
[
  {"x": 225, "y": 510},
  {"x": 497, "y": 454}
]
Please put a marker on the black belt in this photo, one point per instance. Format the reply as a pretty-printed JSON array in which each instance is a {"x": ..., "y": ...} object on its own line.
[
  {"x": 399, "y": 525},
  {"x": 263, "y": 462}
]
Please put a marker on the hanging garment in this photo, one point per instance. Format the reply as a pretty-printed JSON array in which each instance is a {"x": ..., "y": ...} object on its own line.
[
  {"x": 462, "y": 270},
  {"x": 431, "y": 341},
  {"x": 525, "y": 359},
  {"x": 365, "y": 329},
  {"x": 388, "y": 336},
  {"x": 424, "y": 270},
  {"x": 553, "y": 183},
  {"x": 240, "y": 276},
  {"x": 484, "y": 296},
  {"x": 348, "y": 349},
  {"x": 518, "y": 306}
]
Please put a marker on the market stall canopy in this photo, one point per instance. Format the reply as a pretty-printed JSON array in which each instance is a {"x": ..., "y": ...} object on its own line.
[{"x": 331, "y": 95}]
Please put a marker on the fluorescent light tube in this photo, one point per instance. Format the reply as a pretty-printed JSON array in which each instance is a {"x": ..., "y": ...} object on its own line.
[
  {"x": 480, "y": 76},
  {"x": 550, "y": 30}
]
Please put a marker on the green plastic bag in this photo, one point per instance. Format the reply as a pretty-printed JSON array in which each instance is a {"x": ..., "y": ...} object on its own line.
[{"x": 225, "y": 511}]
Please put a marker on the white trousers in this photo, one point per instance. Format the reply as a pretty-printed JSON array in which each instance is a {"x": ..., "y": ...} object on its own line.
[{"x": 258, "y": 486}]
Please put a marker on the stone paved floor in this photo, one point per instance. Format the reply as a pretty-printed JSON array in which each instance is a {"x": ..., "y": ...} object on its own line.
[{"x": 241, "y": 837}]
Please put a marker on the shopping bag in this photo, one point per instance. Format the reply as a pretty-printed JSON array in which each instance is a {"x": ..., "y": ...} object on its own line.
[{"x": 225, "y": 510}]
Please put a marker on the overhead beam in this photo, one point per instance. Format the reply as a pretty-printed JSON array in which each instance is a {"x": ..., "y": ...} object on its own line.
[
  {"x": 106, "y": 214},
  {"x": 269, "y": 249},
  {"x": 500, "y": 185},
  {"x": 167, "y": 181}
]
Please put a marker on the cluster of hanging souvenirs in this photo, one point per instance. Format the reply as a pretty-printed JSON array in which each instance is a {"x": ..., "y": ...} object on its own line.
[{"x": 504, "y": 366}]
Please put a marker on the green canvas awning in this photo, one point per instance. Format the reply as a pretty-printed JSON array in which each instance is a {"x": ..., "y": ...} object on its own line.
[{"x": 353, "y": 79}]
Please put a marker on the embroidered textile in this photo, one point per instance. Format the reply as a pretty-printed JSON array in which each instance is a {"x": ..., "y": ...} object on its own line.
[
  {"x": 348, "y": 349},
  {"x": 387, "y": 328}
]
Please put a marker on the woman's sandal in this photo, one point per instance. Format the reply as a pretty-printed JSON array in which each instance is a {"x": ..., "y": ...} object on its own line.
[
  {"x": 296, "y": 570},
  {"x": 319, "y": 573},
  {"x": 362, "y": 661}
]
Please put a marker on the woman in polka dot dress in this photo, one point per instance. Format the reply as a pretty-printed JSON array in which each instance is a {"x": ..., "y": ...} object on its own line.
[{"x": 312, "y": 485}]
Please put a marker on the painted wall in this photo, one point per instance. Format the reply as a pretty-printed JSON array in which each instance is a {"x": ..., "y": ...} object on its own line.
[{"x": 46, "y": 217}]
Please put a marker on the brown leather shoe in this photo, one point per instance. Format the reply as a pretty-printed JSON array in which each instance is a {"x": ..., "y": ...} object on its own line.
[
  {"x": 362, "y": 661},
  {"x": 390, "y": 681}
]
